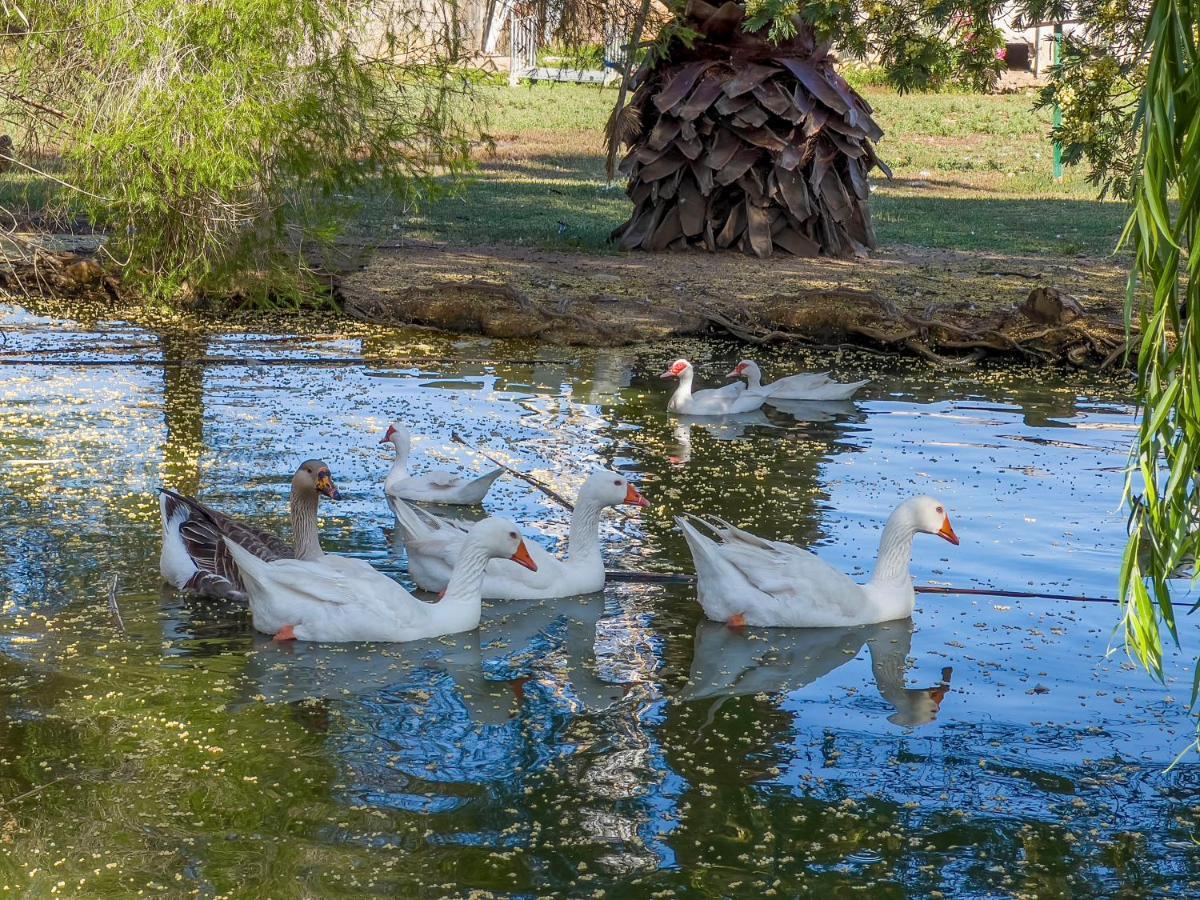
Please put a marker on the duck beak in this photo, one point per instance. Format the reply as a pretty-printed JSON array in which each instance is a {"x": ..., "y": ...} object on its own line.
[
  {"x": 387, "y": 437},
  {"x": 326, "y": 486},
  {"x": 523, "y": 558},
  {"x": 670, "y": 373},
  {"x": 633, "y": 498},
  {"x": 736, "y": 373},
  {"x": 947, "y": 532}
]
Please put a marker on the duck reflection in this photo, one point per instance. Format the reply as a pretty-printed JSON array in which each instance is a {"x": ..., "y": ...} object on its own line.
[
  {"x": 728, "y": 663},
  {"x": 818, "y": 410},
  {"x": 723, "y": 428}
]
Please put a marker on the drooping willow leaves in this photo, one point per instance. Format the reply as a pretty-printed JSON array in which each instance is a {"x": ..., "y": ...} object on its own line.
[{"x": 1164, "y": 302}]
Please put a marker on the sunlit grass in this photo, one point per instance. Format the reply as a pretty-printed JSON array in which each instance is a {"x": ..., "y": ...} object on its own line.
[{"x": 971, "y": 172}]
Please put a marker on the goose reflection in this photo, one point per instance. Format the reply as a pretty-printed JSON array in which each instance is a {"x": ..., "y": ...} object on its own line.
[
  {"x": 478, "y": 708},
  {"x": 728, "y": 663}
]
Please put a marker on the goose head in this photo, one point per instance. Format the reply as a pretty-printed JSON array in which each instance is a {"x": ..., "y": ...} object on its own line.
[
  {"x": 313, "y": 477},
  {"x": 677, "y": 368},
  {"x": 396, "y": 433},
  {"x": 501, "y": 539},
  {"x": 610, "y": 489},
  {"x": 925, "y": 514},
  {"x": 747, "y": 369}
]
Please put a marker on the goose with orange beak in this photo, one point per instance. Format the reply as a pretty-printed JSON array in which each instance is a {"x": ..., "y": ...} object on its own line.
[
  {"x": 747, "y": 580},
  {"x": 434, "y": 544},
  {"x": 342, "y": 599}
]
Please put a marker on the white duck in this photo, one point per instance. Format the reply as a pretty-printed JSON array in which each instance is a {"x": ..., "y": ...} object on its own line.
[
  {"x": 809, "y": 386},
  {"x": 340, "y": 599},
  {"x": 747, "y": 580},
  {"x": 195, "y": 557},
  {"x": 733, "y": 398},
  {"x": 434, "y": 545},
  {"x": 430, "y": 487}
]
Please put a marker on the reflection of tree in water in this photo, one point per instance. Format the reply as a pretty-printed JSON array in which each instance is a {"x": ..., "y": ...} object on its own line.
[{"x": 183, "y": 408}]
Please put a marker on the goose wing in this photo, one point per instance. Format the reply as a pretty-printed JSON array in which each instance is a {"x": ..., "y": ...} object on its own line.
[
  {"x": 443, "y": 480},
  {"x": 207, "y": 527},
  {"x": 785, "y": 571}
]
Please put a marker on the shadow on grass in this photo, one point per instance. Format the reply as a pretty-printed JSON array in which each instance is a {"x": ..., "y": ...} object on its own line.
[
  {"x": 1050, "y": 226},
  {"x": 563, "y": 202}
]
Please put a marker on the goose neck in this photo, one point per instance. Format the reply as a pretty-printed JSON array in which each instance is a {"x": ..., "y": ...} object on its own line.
[
  {"x": 465, "y": 587},
  {"x": 895, "y": 550},
  {"x": 303, "y": 507},
  {"x": 583, "y": 542}
]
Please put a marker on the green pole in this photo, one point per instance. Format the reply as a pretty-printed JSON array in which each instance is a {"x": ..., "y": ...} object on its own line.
[{"x": 1058, "y": 161}]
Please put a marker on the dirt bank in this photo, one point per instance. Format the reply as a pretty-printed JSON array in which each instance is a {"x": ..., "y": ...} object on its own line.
[{"x": 950, "y": 306}]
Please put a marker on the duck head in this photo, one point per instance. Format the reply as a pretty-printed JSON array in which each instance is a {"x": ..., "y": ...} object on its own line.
[
  {"x": 748, "y": 369},
  {"x": 396, "y": 433},
  {"x": 677, "y": 368}
]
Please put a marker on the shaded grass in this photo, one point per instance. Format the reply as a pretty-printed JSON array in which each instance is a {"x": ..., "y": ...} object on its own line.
[{"x": 971, "y": 172}]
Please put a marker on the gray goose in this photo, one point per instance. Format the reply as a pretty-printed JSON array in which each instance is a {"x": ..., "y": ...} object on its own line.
[{"x": 195, "y": 557}]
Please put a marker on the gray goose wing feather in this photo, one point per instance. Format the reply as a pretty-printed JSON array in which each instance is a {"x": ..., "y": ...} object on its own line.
[{"x": 203, "y": 536}]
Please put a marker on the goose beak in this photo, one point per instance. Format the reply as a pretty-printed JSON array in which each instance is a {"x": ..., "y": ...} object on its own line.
[
  {"x": 633, "y": 498},
  {"x": 947, "y": 532},
  {"x": 523, "y": 558},
  {"x": 737, "y": 372},
  {"x": 387, "y": 437},
  {"x": 668, "y": 374},
  {"x": 326, "y": 486}
]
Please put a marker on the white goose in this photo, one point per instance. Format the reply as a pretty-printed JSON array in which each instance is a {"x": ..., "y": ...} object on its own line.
[
  {"x": 747, "y": 580},
  {"x": 434, "y": 545},
  {"x": 340, "y": 599},
  {"x": 430, "y": 487},
  {"x": 809, "y": 386},
  {"x": 733, "y": 398}
]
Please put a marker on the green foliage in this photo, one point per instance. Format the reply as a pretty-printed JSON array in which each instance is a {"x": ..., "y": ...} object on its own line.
[
  {"x": 217, "y": 142},
  {"x": 1162, "y": 232},
  {"x": 1096, "y": 86}
]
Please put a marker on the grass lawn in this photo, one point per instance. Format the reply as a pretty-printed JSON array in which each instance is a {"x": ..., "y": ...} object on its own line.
[{"x": 971, "y": 172}]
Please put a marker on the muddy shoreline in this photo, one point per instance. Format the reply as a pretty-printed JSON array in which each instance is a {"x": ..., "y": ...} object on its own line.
[{"x": 953, "y": 308}]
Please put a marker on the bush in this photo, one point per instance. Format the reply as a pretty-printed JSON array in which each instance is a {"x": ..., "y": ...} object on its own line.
[{"x": 217, "y": 141}]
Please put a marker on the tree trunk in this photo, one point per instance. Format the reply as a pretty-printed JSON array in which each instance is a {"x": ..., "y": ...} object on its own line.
[{"x": 743, "y": 143}]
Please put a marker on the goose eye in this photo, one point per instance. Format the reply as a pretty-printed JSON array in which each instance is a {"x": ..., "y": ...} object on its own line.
[
  {"x": 513, "y": 535},
  {"x": 617, "y": 482},
  {"x": 940, "y": 510}
]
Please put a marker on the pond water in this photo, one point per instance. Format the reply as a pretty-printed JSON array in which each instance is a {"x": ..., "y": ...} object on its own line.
[{"x": 610, "y": 745}]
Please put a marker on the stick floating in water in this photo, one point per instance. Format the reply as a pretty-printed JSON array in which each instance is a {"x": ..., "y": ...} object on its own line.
[
  {"x": 636, "y": 577},
  {"x": 528, "y": 479},
  {"x": 113, "y": 609}
]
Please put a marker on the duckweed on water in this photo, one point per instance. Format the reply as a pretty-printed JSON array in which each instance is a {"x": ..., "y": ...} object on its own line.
[{"x": 612, "y": 745}]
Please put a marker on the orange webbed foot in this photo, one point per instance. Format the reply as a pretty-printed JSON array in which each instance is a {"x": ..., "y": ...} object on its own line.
[
  {"x": 737, "y": 621},
  {"x": 286, "y": 633}
]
